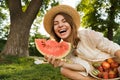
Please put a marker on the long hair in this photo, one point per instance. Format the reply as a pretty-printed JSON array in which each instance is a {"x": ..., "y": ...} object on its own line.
[{"x": 74, "y": 39}]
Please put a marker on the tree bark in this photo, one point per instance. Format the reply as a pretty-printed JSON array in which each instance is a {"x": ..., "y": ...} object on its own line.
[
  {"x": 18, "y": 38},
  {"x": 110, "y": 33},
  {"x": 111, "y": 20}
]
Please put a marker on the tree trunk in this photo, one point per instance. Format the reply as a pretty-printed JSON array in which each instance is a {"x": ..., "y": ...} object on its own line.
[
  {"x": 17, "y": 43},
  {"x": 111, "y": 23},
  {"x": 110, "y": 33}
]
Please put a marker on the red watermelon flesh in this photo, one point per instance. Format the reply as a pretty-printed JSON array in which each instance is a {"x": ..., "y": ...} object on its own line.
[{"x": 52, "y": 47}]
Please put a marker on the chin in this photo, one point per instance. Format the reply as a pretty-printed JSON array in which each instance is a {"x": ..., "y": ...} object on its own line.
[{"x": 63, "y": 38}]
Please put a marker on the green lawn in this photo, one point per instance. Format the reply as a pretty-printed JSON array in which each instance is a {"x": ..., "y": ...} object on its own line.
[{"x": 14, "y": 68}]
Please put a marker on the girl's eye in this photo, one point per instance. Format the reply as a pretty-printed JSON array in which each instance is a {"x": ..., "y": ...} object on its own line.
[
  {"x": 55, "y": 23},
  {"x": 64, "y": 21}
]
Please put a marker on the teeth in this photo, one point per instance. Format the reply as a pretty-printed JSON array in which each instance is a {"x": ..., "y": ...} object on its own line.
[{"x": 61, "y": 31}]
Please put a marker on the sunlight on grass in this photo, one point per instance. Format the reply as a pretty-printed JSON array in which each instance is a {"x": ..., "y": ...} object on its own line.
[{"x": 14, "y": 68}]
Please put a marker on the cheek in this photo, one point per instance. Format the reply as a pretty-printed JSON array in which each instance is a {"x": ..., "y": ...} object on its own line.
[
  {"x": 70, "y": 30},
  {"x": 69, "y": 33},
  {"x": 55, "y": 29}
]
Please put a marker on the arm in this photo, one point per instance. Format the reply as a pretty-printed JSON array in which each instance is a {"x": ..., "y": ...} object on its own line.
[
  {"x": 117, "y": 53},
  {"x": 77, "y": 67},
  {"x": 104, "y": 44},
  {"x": 60, "y": 63}
]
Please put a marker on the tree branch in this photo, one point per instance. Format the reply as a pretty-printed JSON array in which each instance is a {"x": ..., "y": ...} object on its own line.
[
  {"x": 33, "y": 9},
  {"x": 15, "y": 8}
]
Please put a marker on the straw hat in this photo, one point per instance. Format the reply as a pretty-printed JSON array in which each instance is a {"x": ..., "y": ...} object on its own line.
[{"x": 57, "y": 9}]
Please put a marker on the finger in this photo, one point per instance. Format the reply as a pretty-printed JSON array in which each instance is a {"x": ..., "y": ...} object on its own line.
[
  {"x": 49, "y": 59},
  {"x": 57, "y": 63},
  {"x": 53, "y": 60},
  {"x": 61, "y": 63},
  {"x": 45, "y": 57}
]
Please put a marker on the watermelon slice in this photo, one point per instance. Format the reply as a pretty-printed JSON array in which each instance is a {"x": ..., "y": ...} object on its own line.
[{"x": 52, "y": 47}]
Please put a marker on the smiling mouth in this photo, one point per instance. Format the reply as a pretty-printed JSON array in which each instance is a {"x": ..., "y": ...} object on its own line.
[{"x": 62, "y": 31}]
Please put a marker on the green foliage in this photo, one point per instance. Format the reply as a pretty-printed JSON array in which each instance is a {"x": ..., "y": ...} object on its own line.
[
  {"x": 4, "y": 32},
  {"x": 100, "y": 15},
  {"x": 3, "y": 3},
  {"x": 2, "y": 8},
  {"x": 2, "y": 43},
  {"x": 54, "y": 3},
  {"x": 25, "y": 4},
  {"x": 46, "y": 5},
  {"x": 116, "y": 37},
  {"x": 16, "y": 68},
  {"x": 3, "y": 17}
]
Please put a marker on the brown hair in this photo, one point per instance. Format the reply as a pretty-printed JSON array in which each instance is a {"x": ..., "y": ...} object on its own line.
[{"x": 74, "y": 39}]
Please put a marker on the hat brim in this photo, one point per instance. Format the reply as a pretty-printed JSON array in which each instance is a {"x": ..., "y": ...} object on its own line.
[{"x": 57, "y": 9}]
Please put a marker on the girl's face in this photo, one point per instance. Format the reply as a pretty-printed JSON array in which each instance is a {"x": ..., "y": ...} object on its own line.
[{"x": 61, "y": 27}]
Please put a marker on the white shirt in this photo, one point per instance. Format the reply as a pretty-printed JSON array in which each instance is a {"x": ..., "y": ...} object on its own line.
[{"x": 93, "y": 46}]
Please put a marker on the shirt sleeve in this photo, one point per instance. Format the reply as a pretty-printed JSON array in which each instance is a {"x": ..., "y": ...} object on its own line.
[{"x": 102, "y": 43}]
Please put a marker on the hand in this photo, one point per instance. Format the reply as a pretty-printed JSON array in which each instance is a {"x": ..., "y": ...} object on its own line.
[
  {"x": 54, "y": 61},
  {"x": 117, "y": 53},
  {"x": 116, "y": 59}
]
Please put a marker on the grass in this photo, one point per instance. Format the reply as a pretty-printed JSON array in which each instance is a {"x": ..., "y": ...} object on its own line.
[{"x": 14, "y": 68}]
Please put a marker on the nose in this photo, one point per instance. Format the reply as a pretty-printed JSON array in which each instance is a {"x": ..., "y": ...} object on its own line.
[{"x": 60, "y": 24}]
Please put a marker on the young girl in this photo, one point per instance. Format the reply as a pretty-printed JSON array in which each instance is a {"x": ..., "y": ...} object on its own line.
[{"x": 62, "y": 23}]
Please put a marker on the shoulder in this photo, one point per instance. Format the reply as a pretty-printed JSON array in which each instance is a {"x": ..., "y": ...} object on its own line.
[
  {"x": 89, "y": 33},
  {"x": 84, "y": 31}
]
